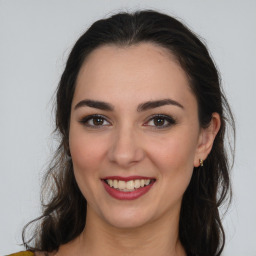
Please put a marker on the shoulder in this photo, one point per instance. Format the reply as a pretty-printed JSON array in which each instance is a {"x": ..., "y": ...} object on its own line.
[
  {"x": 24, "y": 253},
  {"x": 29, "y": 253}
]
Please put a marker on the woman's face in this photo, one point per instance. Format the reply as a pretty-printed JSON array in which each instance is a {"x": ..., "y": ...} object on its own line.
[{"x": 134, "y": 120}]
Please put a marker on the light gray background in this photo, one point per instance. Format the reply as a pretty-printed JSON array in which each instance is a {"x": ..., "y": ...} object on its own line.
[{"x": 35, "y": 39}]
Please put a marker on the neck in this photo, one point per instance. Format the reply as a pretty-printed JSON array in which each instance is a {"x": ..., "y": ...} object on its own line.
[{"x": 156, "y": 238}]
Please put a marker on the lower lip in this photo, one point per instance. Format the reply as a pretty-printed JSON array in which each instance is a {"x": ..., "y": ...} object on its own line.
[{"x": 120, "y": 195}]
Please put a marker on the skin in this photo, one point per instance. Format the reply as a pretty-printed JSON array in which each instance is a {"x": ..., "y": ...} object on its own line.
[{"x": 127, "y": 143}]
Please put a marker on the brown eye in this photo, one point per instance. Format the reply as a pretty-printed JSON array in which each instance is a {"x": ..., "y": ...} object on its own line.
[
  {"x": 160, "y": 121},
  {"x": 95, "y": 121}
]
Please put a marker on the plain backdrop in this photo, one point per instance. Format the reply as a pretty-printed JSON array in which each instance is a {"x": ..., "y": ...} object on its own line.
[{"x": 35, "y": 39}]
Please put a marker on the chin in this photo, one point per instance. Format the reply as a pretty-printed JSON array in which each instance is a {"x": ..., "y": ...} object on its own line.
[
  {"x": 127, "y": 223},
  {"x": 127, "y": 218}
]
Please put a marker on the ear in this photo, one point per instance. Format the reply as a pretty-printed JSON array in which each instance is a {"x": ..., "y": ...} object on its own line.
[{"x": 206, "y": 139}]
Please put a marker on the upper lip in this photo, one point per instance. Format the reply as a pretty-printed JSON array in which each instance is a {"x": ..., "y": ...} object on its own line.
[{"x": 128, "y": 178}]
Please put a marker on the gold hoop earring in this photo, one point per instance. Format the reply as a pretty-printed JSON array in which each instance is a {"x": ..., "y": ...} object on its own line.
[{"x": 201, "y": 161}]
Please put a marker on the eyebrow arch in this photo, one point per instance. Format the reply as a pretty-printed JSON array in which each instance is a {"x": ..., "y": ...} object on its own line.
[
  {"x": 95, "y": 104},
  {"x": 158, "y": 103},
  {"x": 142, "y": 107}
]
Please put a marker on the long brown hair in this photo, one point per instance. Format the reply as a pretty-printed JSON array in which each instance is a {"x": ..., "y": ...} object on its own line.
[{"x": 64, "y": 207}]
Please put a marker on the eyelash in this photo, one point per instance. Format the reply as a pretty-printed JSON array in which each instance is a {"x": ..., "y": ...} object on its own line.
[
  {"x": 170, "y": 121},
  {"x": 85, "y": 121}
]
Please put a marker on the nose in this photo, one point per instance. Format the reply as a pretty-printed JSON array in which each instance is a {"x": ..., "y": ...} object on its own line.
[{"x": 126, "y": 148}]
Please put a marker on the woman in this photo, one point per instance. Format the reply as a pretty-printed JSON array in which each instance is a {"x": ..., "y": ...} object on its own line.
[{"x": 141, "y": 168}]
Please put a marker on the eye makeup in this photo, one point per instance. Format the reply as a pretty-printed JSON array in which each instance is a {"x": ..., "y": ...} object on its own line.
[
  {"x": 160, "y": 121},
  {"x": 156, "y": 121},
  {"x": 95, "y": 121}
]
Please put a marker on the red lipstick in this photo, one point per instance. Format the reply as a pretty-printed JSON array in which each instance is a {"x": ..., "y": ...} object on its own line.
[{"x": 127, "y": 195}]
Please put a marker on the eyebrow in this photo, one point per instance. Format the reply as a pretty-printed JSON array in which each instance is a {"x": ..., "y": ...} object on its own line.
[
  {"x": 95, "y": 104},
  {"x": 142, "y": 107},
  {"x": 157, "y": 103}
]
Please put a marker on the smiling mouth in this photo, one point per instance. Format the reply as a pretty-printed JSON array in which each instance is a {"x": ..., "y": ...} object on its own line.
[{"x": 128, "y": 186}]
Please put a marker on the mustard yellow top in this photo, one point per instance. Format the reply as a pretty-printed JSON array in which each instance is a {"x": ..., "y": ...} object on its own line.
[{"x": 26, "y": 253}]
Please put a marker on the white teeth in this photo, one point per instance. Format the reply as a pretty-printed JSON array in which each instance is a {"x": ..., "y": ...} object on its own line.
[
  {"x": 147, "y": 182},
  {"x": 121, "y": 184},
  {"x": 129, "y": 185},
  {"x": 110, "y": 182},
  {"x": 115, "y": 184},
  {"x": 137, "y": 183}
]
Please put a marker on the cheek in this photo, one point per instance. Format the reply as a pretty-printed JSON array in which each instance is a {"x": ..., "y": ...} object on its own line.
[
  {"x": 174, "y": 158},
  {"x": 174, "y": 152},
  {"x": 86, "y": 151},
  {"x": 87, "y": 154}
]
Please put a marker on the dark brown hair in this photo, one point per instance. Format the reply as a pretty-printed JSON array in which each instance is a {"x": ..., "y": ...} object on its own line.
[{"x": 64, "y": 210}]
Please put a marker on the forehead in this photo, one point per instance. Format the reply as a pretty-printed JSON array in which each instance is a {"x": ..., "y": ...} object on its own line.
[{"x": 144, "y": 72}]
